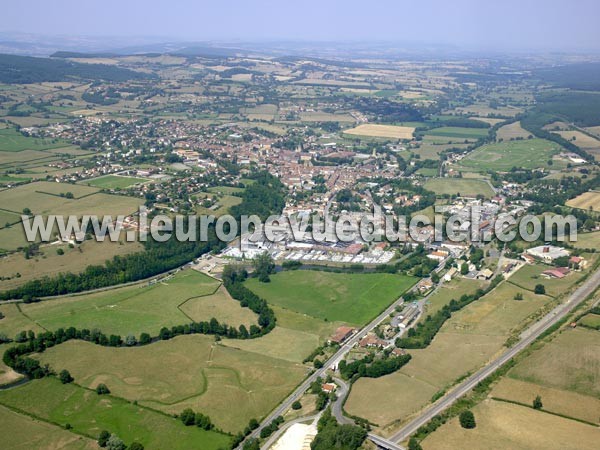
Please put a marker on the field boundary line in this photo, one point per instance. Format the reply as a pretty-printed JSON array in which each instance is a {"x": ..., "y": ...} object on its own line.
[{"x": 525, "y": 405}]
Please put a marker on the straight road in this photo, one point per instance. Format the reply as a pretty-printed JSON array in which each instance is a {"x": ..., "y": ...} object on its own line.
[{"x": 527, "y": 337}]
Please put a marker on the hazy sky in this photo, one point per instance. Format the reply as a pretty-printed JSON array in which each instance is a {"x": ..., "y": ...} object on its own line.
[{"x": 477, "y": 24}]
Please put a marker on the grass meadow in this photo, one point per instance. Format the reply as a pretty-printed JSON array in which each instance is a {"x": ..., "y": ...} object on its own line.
[
  {"x": 27, "y": 433},
  {"x": 188, "y": 296},
  {"x": 187, "y": 371},
  {"x": 114, "y": 182},
  {"x": 503, "y": 156},
  {"x": 350, "y": 298},
  {"x": 462, "y": 186},
  {"x": 89, "y": 413}
]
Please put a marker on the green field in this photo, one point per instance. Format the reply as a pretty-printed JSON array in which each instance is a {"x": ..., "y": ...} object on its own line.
[
  {"x": 225, "y": 190},
  {"x": 192, "y": 371},
  {"x": 188, "y": 296},
  {"x": 462, "y": 186},
  {"x": 224, "y": 202},
  {"x": 452, "y": 290},
  {"x": 570, "y": 362},
  {"x": 459, "y": 132},
  {"x": 591, "y": 321},
  {"x": 350, "y": 298},
  {"x": 529, "y": 276},
  {"x": 27, "y": 433},
  {"x": 588, "y": 240},
  {"x": 13, "y": 141},
  {"x": 114, "y": 182},
  {"x": 503, "y": 156},
  {"x": 89, "y": 413}
]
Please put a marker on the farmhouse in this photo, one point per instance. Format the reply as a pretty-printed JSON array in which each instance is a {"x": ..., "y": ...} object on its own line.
[
  {"x": 450, "y": 274},
  {"x": 424, "y": 286},
  {"x": 485, "y": 274},
  {"x": 578, "y": 262},
  {"x": 328, "y": 388},
  {"x": 558, "y": 273},
  {"x": 342, "y": 334},
  {"x": 528, "y": 258},
  {"x": 372, "y": 341}
]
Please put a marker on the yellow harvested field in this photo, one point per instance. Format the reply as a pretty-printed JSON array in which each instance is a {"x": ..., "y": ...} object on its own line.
[
  {"x": 594, "y": 130},
  {"x": 582, "y": 140},
  {"x": 586, "y": 200},
  {"x": 512, "y": 131},
  {"x": 503, "y": 426},
  {"x": 558, "y": 401},
  {"x": 387, "y": 131},
  {"x": 467, "y": 341}
]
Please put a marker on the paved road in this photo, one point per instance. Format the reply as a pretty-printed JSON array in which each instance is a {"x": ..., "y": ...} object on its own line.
[
  {"x": 338, "y": 405},
  {"x": 332, "y": 362},
  {"x": 527, "y": 337}
]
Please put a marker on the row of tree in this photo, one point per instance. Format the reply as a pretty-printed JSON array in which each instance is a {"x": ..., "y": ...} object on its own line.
[
  {"x": 29, "y": 342},
  {"x": 372, "y": 368},
  {"x": 422, "y": 335}
]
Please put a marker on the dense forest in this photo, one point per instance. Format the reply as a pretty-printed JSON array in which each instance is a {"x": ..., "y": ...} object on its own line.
[
  {"x": 27, "y": 69},
  {"x": 581, "y": 76}
]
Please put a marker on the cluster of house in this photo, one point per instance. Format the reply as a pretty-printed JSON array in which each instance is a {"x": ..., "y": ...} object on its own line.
[{"x": 549, "y": 254}]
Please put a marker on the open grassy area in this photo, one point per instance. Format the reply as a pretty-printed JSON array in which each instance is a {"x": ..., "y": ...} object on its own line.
[
  {"x": 462, "y": 186},
  {"x": 49, "y": 263},
  {"x": 230, "y": 385},
  {"x": 50, "y": 198},
  {"x": 27, "y": 433},
  {"x": 89, "y": 413},
  {"x": 512, "y": 131},
  {"x": 141, "y": 308},
  {"x": 502, "y": 425},
  {"x": 351, "y": 298},
  {"x": 529, "y": 276},
  {"x": 45, "y": 198},
  {"x": 13, "y": 141},
  {"x": 384, "y": 131},
  {"x": 114, "y": 182},
  {"x": 588, "y": 201},
  {"x": 467, "y": 341},
  {"x": 294, "y": 338},
  {"x": 459, "y": 132},
  {"x": 558, "y": 401},
  {"x": 590, "y": 320},
  {"x": 224, "y": 202},
  {"x": 588, "y": 240},
  {"x": 452, "y": 290},
  {"x": 502, "y": 156},
  {"x": 225, "y": 190},
  {"x": 12, "y": 323},
  {"x": 571, "y": 362}
]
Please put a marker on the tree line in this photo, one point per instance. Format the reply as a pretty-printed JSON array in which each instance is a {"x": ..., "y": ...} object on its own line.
[
  {"x": 422, "y": 335},
  {"x": 30, "y": 342},
  {"x": 372, "y": 368}
]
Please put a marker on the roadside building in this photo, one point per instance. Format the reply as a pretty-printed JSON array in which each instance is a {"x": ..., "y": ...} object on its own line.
[{"x": 342, "y": 334}]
